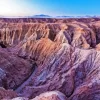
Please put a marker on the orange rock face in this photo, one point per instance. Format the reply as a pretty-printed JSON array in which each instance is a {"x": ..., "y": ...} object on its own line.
[{"x": 58, "y": 55}]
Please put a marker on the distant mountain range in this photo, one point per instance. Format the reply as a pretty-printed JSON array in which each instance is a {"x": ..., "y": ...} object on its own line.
[
  {"x": 41, "y": 16},
  {"x": 47, "y": 16}
]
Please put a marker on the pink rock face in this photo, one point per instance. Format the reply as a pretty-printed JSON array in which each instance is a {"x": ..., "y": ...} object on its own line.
[
  {"x": 53, "y": 95},
  {"x": 42, "y": 55},
  {"x": 98, "y": 47},
  {"x": 20, "y": 98},
  {"x": 6, "y": 94}
]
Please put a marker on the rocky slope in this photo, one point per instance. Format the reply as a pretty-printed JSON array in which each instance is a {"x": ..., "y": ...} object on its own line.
[{"x": 58, "y": 56}]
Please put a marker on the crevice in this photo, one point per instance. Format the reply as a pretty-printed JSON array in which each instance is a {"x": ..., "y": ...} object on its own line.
[
  {"x": 98, "y": 40},
  {"x": 3, "y": 45},
  {"x": 52, "y": 35}
]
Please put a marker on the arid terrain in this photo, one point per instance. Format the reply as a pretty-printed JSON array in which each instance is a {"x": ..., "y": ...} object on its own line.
[{"x": 50, "y": 59}]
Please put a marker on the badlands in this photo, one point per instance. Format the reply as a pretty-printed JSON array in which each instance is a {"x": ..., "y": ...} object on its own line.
[{"x": 49, "y": 59}]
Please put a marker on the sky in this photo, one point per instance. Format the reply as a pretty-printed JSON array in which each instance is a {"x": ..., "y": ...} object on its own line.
[{"x": 49, "y": 7}]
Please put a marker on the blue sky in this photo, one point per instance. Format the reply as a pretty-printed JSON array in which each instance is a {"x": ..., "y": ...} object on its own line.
[{"x": 49, "y": 7}]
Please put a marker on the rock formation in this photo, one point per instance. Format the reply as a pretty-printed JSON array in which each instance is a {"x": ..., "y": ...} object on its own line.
[{"x": 50, "y": 59}]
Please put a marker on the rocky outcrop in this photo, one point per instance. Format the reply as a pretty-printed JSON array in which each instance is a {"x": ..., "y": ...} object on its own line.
[
  {"x": 53, "y": 95},
  {"x": 7, "y": 94},
  {"x": 59, "y": 56},
  {"x": 20, "y": 98},
  {"x": 13, "y": 70},
  {"x": 98, "y": 47}
]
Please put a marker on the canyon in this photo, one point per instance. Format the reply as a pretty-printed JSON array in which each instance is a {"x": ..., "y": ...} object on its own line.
[{"x": 49, "y": 59}]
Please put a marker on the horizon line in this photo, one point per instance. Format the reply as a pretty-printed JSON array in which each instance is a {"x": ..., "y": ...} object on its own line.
[{"x": 14, "y": 16}]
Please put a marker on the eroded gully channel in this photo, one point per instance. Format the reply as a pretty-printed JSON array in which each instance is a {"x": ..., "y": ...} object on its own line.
[{"x": 26, "y": 82}]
